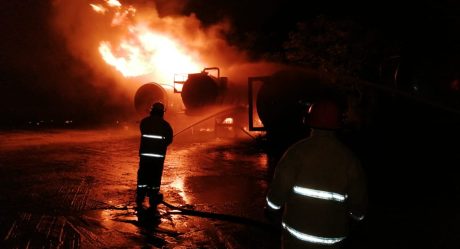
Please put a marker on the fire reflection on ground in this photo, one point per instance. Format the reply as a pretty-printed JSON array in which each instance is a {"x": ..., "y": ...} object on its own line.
[
  {"x": 178, "y": 184},
  {"x": 80, "y": 185}
]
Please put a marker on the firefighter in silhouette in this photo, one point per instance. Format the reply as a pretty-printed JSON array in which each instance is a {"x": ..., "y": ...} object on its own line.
[
  {"x": 319, "y": 187},
  {"x": 156, "y": 135}
]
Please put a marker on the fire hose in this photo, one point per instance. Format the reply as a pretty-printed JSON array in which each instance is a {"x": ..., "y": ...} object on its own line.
[
  {"x": 191, "y": 212},
  {"x": 218, "y": 216}
]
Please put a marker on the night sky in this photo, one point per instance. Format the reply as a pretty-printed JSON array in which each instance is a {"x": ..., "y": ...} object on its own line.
[{"x": 41, "y": 80}]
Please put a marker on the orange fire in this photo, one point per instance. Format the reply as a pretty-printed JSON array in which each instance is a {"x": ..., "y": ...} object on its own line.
[{"x": 143, "y": 50}]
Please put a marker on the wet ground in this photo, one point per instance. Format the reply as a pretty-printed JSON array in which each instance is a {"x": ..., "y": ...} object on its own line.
[{"x": 75, "y": 189}]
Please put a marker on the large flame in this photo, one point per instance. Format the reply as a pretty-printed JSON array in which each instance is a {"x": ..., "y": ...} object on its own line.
[
  {"x": 143, "y": 50},
  {"x": 145, "y": 46}
]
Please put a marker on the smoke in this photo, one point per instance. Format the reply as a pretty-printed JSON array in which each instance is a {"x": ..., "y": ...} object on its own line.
[
  {"x": 83, "y": 29},
  {"x": 40, "y": 82},
  {"x": 129, "y": 32}
]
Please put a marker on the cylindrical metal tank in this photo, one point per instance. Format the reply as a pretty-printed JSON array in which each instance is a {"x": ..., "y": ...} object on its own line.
[
  {"x": 282, "y": 104},
  {"x": 148, "y": 94},
  {"x": 283, "y": 99},
  {"x": 200, "y": 90}
]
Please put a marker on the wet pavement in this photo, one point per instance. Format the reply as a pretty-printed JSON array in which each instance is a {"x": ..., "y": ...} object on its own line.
[{"x": 75, "y": 189}]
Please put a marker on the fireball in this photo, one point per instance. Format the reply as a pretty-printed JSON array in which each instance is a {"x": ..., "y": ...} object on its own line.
[{"x": 142, "y": 50}]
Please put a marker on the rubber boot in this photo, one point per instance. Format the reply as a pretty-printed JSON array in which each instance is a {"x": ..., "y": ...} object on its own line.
[
  {"x": 140, "y": 196},
  {"x": 155, "y": 199}
]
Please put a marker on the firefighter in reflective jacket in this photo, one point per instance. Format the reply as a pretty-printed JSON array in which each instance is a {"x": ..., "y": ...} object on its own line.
[
  {"x": 156, "y": 135},
  {"x": 318, "y": 186}
]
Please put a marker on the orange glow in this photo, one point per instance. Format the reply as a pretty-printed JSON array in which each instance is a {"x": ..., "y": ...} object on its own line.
[
  {"x": 98, "y": 8},
  {"x": 179, "y": 80},
  {"x": 228, "y": 121},
  {"x": 178, "y": 184},
  {"x": 134, "y": 42},
  {"x": 113, "y": 3},
  {"x": 144, "y": 50},
  {"x": 121, "y": 16}
]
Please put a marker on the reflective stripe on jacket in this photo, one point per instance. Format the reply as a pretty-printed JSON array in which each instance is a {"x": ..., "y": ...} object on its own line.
[
  {"x": 319, "y": 182},
  {"x": 156, "y": 135}
]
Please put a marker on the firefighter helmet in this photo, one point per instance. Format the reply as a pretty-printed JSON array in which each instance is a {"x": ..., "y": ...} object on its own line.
[
  {"x": 325, "y": 114},
  {"x": 157, "y": 109}
]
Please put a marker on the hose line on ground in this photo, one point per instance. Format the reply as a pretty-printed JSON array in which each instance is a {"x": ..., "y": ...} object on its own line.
[
  {"x": 225, "y": 217},
  {"x": 191, "y": 212}
]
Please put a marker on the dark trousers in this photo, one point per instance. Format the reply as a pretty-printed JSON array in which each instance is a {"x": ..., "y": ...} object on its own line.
[{"x": 149, "y": 177}]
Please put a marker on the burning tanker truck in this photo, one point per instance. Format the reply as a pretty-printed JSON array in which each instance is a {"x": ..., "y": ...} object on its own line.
[
  {"x": 197, "y": 91},
  {"x": 204, "y": 94}
]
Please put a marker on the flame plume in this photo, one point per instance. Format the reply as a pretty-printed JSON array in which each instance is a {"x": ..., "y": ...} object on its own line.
[
  {"x": 143, "y": 47},
  {"x": 142, "y": 50}
]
